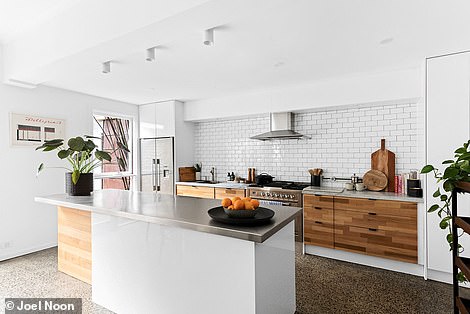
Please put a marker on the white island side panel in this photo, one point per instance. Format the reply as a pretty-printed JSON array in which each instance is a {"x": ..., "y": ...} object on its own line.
[{"x": 140, "y": 267}]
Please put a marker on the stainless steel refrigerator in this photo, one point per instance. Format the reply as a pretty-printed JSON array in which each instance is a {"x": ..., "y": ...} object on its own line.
[{"x": 156, "y": 157}]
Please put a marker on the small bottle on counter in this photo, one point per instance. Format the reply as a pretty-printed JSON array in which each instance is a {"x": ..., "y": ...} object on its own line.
[
  {"x": 228, "y": 176},
  {"x": 232, "y": 177}
]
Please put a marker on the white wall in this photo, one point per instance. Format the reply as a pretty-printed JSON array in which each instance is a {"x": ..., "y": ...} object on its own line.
[
  {"x": 392, "y": 87},
  {"x": 28, "y": 225},
  {"x": 341, "y": 143}
]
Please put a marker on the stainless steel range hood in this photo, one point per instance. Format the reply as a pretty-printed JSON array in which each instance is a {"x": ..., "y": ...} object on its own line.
[{"x": 281, "y": 126}]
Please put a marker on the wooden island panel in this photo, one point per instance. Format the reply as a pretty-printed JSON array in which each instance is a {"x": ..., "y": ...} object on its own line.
[{"x": 74, "y": 243}]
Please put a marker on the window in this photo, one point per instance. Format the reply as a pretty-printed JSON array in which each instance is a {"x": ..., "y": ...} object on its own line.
[{"x": 114, "y": 135}]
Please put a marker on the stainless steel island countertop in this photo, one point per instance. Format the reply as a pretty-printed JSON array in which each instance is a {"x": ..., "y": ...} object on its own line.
[{"x": 177, "y": 211}]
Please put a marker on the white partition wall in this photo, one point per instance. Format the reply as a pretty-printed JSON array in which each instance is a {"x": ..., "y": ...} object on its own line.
[{"x": 447, "y": 128}]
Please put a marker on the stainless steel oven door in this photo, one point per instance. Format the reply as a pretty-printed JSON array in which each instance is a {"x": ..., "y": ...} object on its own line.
[{"x": 282, "y": 203}]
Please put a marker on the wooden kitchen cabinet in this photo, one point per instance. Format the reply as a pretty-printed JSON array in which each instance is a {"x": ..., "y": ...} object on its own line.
[
  {"x": 194, "y": 191},
  {"x": 377, "y": 227},
  {"x": 318, "y": 221},
  {"x": 221, "y": 193},
  {"x": 381, "y": 228}
]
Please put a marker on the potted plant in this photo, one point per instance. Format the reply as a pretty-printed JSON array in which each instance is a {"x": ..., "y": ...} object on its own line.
[
  {"x": 457, "y": 172},
  {"x": 83, "y": 156}
]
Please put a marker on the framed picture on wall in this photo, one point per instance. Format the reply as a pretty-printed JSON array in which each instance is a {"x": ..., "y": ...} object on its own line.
[{"x": 30, "y": 130}]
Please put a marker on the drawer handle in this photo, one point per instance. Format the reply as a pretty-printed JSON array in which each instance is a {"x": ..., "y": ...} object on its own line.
[
  {"x": 372, "y": 229},
  {"x": 373, "y": 214},
  {"x": 372, "y": 199},
  {"x": 317, "y": 207},
  {"x": 318, "y": 222}
]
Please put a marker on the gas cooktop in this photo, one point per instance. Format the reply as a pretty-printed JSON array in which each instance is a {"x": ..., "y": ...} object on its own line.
[{"x": 286, "y": 185}]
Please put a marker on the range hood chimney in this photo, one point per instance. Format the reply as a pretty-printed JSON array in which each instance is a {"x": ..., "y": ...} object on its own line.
[{"x": 280, "y": 128}]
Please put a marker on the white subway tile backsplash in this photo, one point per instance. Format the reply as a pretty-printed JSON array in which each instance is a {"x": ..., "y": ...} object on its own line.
[{"x": 341, "y": 144}]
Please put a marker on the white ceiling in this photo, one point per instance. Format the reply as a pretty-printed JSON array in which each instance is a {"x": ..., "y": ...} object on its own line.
[
  {"x": 258, "y": 44},
  {"x": 18, "y": 16}
]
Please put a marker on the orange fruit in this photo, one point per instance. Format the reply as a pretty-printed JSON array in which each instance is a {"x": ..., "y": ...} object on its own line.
[
  {"x": 226, "y": 202},
  {"x": 246, "y": 199},
  {"x": 255, "y": 203},
  {"x": 230, "y": 207},
  {"x": 249, "y": 206},
  {"x": 234, "y": 199},
  {"x": 239, "y": 204}
]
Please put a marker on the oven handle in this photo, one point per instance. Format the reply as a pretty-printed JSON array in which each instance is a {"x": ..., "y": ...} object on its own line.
[{"x": 266, "y": 202}]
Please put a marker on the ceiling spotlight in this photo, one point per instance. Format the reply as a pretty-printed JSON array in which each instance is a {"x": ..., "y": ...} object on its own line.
[
  {"x": 106, "y": 67},
  {"x": 151, "y": 54},
  {"x": 209, "y": 37}
]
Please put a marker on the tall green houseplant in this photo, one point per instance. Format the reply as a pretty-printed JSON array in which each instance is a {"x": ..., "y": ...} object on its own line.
[
  {"x": 457, "y": 170},
  {"x": 81, "y": 153}
]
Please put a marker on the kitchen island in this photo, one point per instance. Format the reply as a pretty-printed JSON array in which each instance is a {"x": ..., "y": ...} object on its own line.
[{"x": 157, "y": 253}]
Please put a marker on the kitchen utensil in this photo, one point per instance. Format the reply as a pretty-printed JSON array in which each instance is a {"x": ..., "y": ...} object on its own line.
[
  {"x": 249, "y": 178},
  {"x": 263, "y": 216},
  {"x": 360, "y": 187},
  {"x": 384, "y": 161},
  {"x": 375, "y": 180},
  {"x": 349, "y": 186},
  {"x": 187, "y": 174},
  {"x": 311, "y": 171},
  {"x": 263, "y": 179}
]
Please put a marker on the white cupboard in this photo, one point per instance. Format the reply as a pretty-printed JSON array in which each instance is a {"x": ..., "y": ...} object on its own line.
[
  {"x": 158, "y": 119},
  {"x": 447, "y": 128},
  {"x": 165, "y": 119}
]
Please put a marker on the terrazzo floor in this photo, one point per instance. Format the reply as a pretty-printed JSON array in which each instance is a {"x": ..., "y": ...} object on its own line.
[{"x": 323, "y": 286}]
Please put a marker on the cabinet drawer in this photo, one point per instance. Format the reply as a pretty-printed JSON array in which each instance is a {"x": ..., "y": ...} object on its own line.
[
  {"x": 323, "y": 214},
  {"x": 383, "y": 243},
  {"x": 221, "y": 193},
  {"x": 195, "y": 191},
  {"x": 364, "y": 205},
  {"x": 320, "y": 201},
  {"x": 319, "y": 232},
  {"x": 405, "y": 225}
]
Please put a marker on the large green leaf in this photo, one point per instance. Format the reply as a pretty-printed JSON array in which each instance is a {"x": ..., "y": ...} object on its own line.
[
  {"x": 427, "y": 168},
  {"x": 76, "y": 143},
  {"x": 90, "y": 145},
  {"x": 102, "y": 155},
  {"x": 95, "y": 137},
  {"x": 450, "y": 172},
  {"x": 437, "y": 193},
  {"x": 460, "y": 150},
  {"x": 75, "y": 176},
  {"x": 450, "y": 161},
  {"x": 433, "y": 208},
  {"x": 64, "y": 153},
  {"x": 448, "y": 186},
  {"x": 51, "y": 147}
]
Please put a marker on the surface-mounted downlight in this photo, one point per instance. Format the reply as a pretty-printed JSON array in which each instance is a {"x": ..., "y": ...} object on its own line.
[
  {"x": 151, "y": 52},
  {"x": 106, "y": 67},
  {"x": 209, "y": 37}
]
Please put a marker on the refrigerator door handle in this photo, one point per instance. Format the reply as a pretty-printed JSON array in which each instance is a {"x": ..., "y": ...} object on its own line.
[
  {"x": 158, "y": 175},
  {"x": 153, "y": 175}
]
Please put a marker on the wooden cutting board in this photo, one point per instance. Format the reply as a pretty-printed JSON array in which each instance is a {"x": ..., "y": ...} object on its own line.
[
  {"x": 384, "y": 161},
  {"x": 375, "y": 180}
]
